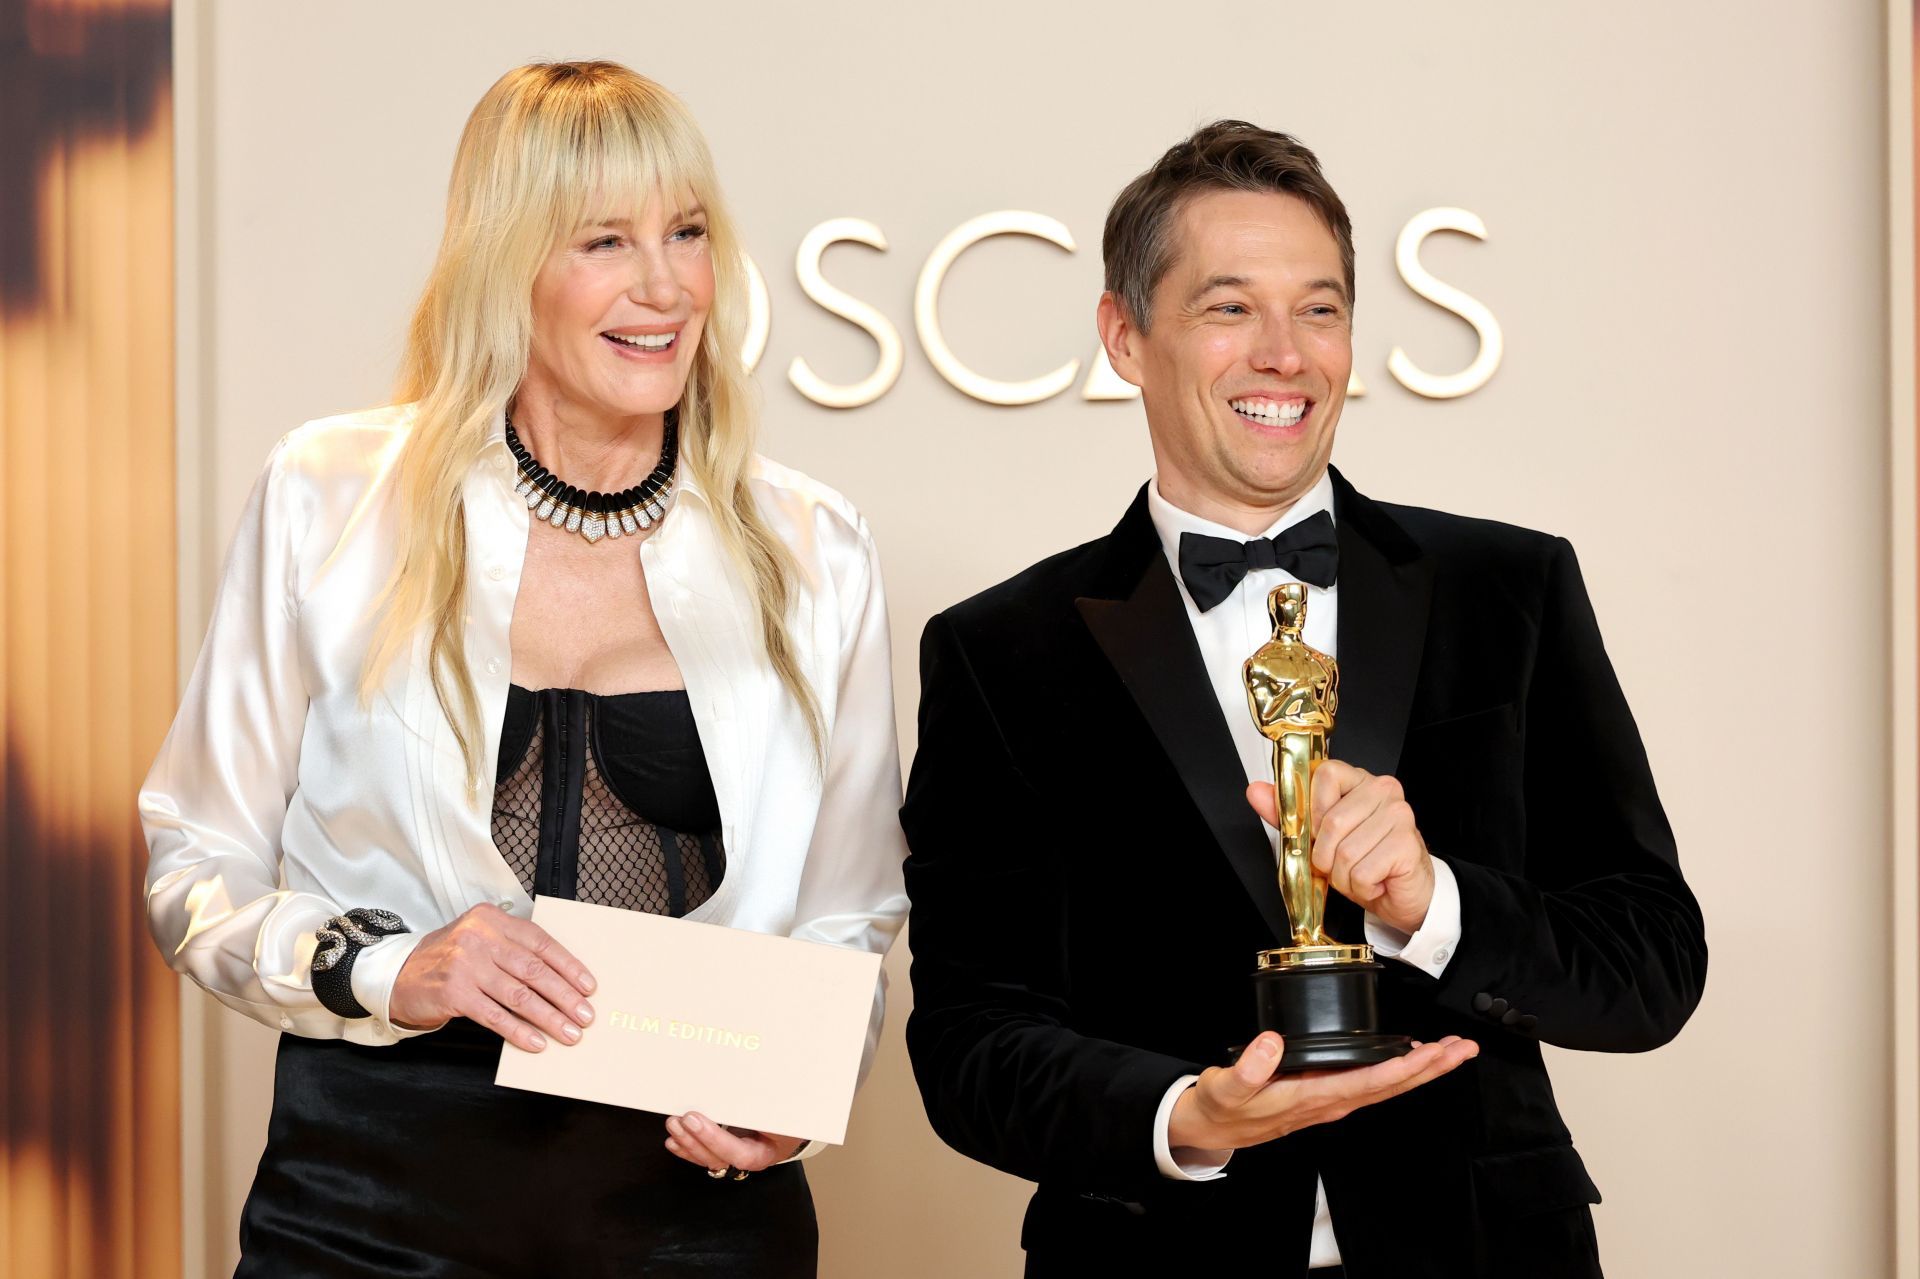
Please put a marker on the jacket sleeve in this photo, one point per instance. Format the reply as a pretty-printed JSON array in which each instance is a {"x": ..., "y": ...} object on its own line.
[
  {"x": 850, "y": 889},
  {"x": 1599, "y": 944},
  {"x": 1005, "y": 1078},
  {"x": 215, "y": 800}
]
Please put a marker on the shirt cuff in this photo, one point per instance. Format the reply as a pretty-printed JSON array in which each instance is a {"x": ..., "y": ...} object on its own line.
[
  {"x": 807, "y": 1151},
  {"x": 375, "y": 969},
  {"x": 1186, "y": 1163},
  {"x": 1438, "y": 937}
]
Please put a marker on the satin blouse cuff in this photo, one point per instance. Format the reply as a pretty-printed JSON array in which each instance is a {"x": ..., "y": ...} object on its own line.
[
  {"x": 375, "y": 969},
  {"x": 1433, "y": 945},
  {"x": 1184, "y": 1163},
  {"x": 807, "y": 1151}
]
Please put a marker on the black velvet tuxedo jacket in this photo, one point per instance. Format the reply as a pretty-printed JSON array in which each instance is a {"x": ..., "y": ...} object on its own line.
[{"x": 1089, "y": 889}]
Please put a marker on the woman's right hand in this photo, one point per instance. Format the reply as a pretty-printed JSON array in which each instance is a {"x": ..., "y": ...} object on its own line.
[{"x": 507, "y": 974}]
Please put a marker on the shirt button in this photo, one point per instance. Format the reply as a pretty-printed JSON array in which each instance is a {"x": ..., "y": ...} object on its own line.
[
  {"x": 1440, "y": 956},
  {"x": 493, "y": 666},
  {"x": 286, "y": 1023},
  {"x": 496, "y": 572},
  {"x": 506, "y": 905}
]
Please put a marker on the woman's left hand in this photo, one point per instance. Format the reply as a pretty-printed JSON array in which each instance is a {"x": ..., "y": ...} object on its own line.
[{"x": 699, "y": 1140}]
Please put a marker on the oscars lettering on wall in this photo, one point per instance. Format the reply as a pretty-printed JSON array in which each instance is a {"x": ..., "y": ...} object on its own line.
[{"x": 1100, "y": 383}]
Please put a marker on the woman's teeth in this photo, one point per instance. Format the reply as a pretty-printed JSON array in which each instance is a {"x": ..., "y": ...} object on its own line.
[
  {"x": 1270, "y": 412},
  {"x": 645, "y": 341}
]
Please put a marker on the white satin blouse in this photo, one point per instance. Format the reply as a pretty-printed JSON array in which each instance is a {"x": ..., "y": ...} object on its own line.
[{"x": 278, "y": 800}]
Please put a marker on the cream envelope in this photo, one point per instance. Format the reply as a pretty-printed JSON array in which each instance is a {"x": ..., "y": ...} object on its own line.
[{"x": 750, "y": 1030}]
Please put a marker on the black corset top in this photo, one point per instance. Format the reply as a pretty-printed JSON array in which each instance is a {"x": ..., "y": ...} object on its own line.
[{"x": 606, "y": 798}]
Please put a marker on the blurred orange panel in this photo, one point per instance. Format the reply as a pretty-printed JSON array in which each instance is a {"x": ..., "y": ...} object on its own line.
[{"x": 89, "y": 1040}]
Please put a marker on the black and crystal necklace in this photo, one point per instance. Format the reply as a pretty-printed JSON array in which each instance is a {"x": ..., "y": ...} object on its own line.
[{"x": 595, "y": 515}]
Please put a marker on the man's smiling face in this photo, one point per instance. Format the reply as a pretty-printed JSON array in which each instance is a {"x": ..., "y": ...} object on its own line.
[{"x": 1244, "y": 370}]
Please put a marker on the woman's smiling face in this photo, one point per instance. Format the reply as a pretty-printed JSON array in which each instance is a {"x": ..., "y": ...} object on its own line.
[{"x": 618, "y": 310}]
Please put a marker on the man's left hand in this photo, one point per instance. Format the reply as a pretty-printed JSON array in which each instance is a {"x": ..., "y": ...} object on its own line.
[{"x": 1365, "y": 842}]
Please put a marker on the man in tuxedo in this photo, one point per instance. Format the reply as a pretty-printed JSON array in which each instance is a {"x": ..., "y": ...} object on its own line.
[{"x": 1090, "y": 872}]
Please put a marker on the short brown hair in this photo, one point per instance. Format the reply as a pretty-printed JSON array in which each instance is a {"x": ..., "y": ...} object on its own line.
[{"x": 1227, "y": 155}]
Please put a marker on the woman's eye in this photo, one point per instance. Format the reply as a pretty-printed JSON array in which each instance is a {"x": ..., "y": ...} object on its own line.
[
  {"x": 690, "y": 233},
  {"x": 604, "y": 242},
  {"x": 1231, "y": 308}
]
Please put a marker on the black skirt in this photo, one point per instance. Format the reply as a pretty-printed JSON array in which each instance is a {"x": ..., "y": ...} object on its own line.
[{"x": 409, "y": 1160}]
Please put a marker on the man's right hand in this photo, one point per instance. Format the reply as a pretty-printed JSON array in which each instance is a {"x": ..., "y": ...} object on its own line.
[
  {"x": 1245, "y": 1104},
  {"x": 507, "y": 974}
]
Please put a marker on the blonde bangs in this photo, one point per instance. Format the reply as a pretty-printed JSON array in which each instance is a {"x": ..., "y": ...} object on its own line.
[{"x": 552, "y": 147}]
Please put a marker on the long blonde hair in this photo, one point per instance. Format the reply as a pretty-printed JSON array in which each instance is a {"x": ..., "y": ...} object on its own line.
[{"x": 545, "y": 149}]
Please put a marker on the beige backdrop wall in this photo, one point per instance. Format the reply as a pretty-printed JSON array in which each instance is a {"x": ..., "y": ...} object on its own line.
[{"x": 1685, "y": 251}]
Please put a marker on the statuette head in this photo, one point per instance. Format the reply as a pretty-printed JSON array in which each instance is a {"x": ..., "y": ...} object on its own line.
[{"x": 1287, "y": 608}]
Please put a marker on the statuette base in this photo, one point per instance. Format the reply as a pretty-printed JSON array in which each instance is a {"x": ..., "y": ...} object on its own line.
[{"x": 1325, "y": 1007}]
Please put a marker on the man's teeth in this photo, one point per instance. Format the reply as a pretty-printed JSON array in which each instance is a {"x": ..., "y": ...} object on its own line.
[
  {"x": 645, "y": 341},
  {"x": 1268, "y": 411}
]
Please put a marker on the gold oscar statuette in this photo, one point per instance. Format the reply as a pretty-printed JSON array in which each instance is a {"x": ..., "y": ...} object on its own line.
[{"x": 1317, "y": 992}]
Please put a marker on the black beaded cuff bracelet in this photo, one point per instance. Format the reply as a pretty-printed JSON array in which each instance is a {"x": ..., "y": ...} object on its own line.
[{"x": 341, "y": 941}]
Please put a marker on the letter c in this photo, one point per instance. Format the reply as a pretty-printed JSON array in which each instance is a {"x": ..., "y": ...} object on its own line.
[{"x": 926, "y": 307}]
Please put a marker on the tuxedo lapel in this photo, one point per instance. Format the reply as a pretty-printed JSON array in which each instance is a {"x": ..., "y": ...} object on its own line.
[
  {"x": 1145, "y": 635},
  {"x": 1386, "y": 586}
]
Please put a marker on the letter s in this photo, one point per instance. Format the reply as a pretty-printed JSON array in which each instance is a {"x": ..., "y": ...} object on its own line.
[
  {"x": 1406, "y": 256},
  {"x": 849, "y": 308}
]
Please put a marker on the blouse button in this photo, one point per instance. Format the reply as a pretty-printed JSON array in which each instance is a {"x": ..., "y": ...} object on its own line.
[
  {"x": 496, "y": 572},
  {"x": 286, "y": 1023},
  {"x": 493, "y": 666}
]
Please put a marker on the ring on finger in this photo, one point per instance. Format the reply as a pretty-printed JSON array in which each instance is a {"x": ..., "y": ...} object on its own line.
[{"x": 722, "y": 1174}]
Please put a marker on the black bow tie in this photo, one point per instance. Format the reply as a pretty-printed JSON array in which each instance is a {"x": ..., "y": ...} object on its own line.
[{"x": 1212, "y": 566}]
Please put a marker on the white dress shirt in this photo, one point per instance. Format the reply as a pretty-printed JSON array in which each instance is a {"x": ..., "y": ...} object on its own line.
[
  {"x": 1227, "y": 634},
  {"x": 278, "y": 800}
]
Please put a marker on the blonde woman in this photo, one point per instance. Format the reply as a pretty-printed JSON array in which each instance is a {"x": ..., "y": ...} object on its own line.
[{"x": 549, "y": 626}]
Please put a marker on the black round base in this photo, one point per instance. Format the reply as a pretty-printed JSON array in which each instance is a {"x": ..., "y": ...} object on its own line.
[
  {"x": 1328, "y": 1016},
  {"x": 1334, "y": 1052}
]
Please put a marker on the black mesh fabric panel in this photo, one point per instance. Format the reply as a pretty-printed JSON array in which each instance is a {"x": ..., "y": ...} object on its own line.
[{"x": 565, "y": 832}]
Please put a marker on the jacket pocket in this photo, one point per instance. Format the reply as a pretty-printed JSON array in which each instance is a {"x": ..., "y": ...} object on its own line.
[
  {"x": 1058, "y": 1217},
  {"x": 1527, "y": 1181},
  {"x": 1467, "y": 720}
]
